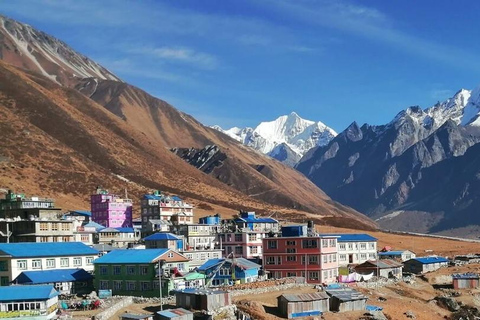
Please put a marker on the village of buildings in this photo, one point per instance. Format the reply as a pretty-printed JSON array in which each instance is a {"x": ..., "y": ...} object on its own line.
[{"x": 60, "y": 255}]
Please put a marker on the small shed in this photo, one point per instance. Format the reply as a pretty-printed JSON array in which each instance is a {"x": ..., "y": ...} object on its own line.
[
  {"x": 202, "y": 299},
  {"x": 398, "y": 255},
  {"x": 303, "y": 305},
  {"x": 381, "y": 268},
  {"x": 174, "y": 314},
  {"x": 131, "y": 316},
  {"x": 346, "y": 299},
  {"x": 425, "y": 264},
  {"x": 466, "y": 281}
]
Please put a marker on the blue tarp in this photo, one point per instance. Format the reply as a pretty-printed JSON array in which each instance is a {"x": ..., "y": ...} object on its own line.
[{"x": 373, "y": 308}]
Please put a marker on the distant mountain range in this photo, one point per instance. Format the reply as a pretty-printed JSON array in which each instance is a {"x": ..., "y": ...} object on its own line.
[
  {"x": 68, "y": 124},
  {"x": 286, "y": 139},
  {"x": 420, "y": 172}
]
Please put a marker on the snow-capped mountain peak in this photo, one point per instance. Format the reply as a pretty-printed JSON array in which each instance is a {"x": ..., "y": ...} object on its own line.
[{"x": 298, "y": 134}]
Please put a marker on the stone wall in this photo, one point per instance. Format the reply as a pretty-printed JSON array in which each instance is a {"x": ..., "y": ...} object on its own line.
[{"x": 110, "y": 311}]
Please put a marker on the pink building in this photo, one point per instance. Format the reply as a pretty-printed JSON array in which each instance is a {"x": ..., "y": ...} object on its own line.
[
  {"x": 312, "y": 257},
  {"x": 110, "y": 210}
]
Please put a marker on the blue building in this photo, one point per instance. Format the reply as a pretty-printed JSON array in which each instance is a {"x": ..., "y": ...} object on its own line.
[
  {"x": 229, "y": 271},
  {"x": 249, "y": 221},
  {"x": 163, "y": 240},
  {"x": 36, "y": 303},
  {"x": 212, "y": 220}
]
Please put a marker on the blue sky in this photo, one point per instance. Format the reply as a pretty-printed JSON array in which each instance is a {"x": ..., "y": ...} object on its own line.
[{"x": 237, "y": 63}]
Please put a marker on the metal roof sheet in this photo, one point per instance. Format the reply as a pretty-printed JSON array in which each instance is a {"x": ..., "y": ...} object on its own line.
[
  {"x": 346, "y": 294},
  {"x": 305, "y": 297},
  {"x": 161, "y": 236},
  {"x": 173, "y": 313},
  {"x": 131, "y": 256},
  {"x": 22, "y": 293},
  {"x": 46, "y": 249},
  {"x": 255, "y": 220},
  {"x": 242, "y": 263},
  {"x": 392, "y": 253},
  {"x": 135, "y": 316},
  {"x": 381, "y": 264},
  {"x": 97, "y": 226},
  {"x": 126, "y": 230},
  {"x": 429, "y": 260},
  {"x": 49, "y": 276},
  {"x": 82, "y": 212},
  {"x": 466, "y": 276},
  {"x": 349, "y": 237}
]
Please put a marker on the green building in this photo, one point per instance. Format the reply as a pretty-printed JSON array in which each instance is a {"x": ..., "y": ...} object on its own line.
[{"x": 139, "y": 272}]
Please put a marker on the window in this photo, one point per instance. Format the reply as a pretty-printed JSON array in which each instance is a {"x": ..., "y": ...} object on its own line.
[
  {"x": 371, "y": 245},
  {"x": 50, "y": 263},
  {"x": 143, "y": 270},
  {"x": 253, "y": 249},
  {"x": 350, "y": 246},
  {"x": 270, "y": 260},
  {"x": 64, "y": 262},
  {"x": 130, "y": 270},
  {"x": 313, "y": 259},
  {"x": 103, "y": 270},
  {"x": 252, "y": 237},
  {"x": 117, "y": 270},
  {"x": 291, "y": 250},
  {"x": 272, "y": 244},
  {"x": 117, "y": 285},
  {"x": 3, "y": 266},
  {"x": 225, "y": 271},
  {"x": 332, "y": 243},
  {"x": 145, "y": 286},
  {"x": 54, "y": 226},
  {"x": 130, "y": 285},
  {"x": 103, "y": 284},
  {"x": 342, "y": 257},
  {"x": 313, "y": 275},
  {"x": 77, "y": 262},
  {"x": 291, "y": 258},
  {"x": 170, "y": 254},
  {"x": 341, "y": 247},
  {"x": 238, "y": 250},
  {"x": 238, "y": 237},
  {"x": 36, "y": 264},
  {"x": 363, "y": 246},
  {"x": 65, "y": 226},
  {"x": 43, "y": 226},
  {"x": 291, "y": 243},
  {"x": 324, "y": 243},
  {"x": 310, "y": 243},
  {"x": 89, "y": 260},
  {"x": 291, "y": 274}
]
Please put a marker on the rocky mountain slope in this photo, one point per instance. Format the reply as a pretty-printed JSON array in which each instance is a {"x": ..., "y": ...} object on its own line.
[
  {"x": 61, "y": 142},
  {"x": 383, "y": 170},
  {"x": 286, "y": 139}
]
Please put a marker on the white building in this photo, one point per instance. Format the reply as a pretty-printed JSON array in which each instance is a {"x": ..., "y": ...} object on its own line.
[
  {"x": 18, "y": 257},
  {"x": 157, "y": 206},
  {"x": 355, "y": 248},
  {"x": 37, "y": 302}
]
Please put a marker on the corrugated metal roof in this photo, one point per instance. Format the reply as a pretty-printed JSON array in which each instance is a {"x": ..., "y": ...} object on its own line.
[
  {"x": 255, "y": 220},
  {"x": 346, "y": 294},
  {"x": 161, "y": 236},
  {"x": 135, "y": 316},
  {"x": 392, "y": 253},
  {"x": 152, "y": 197},
  {"x": 97, "y": 226},
  {"x": 49, "y": 276},
  {"x": 174, "y": 313},
  {"x": 347, "y": 237},
  {"x": 305, "y": 297},
  {"x": 82, "y": 212},
  {"x": 201, "y": 291},
  {"x": 126, "y": 230},
  {"x": 22, "y": 293},
  {"x": 429, "y": 260},
  {"x": 381, "y": 264},
  {"x": 239, "y": 262},
  {"x": 465, "y": 276},
  {"x": 176, "y": 198},
  {"x": 131, "y": 256},
  {"x": 46, "y": 249},
  {"x": 194, "y": 276}
]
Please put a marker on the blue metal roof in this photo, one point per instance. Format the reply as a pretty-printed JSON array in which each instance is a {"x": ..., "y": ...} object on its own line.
[
  {"x": 391, "y": 253},
  {"x": 347, "y": 237},
  {"x": 176, "y": 198},
  {"x": 151, "y": 197},
  {"x": 161, "y": 236},
  {"x": 242, "y": 263},
  {"x": 131, "y": 256},
  {"x": 50, "y": 276},
  {"x": 97, "y": 226},
  {"x": 256, "y": 220},
  {"x": 46, "y": 249},
  {"x": 21, "y": 293},
  {"x": 428, "y": 260},
  {"x": 83, "y": 212},
  {"x": 125, "y": 230}
]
